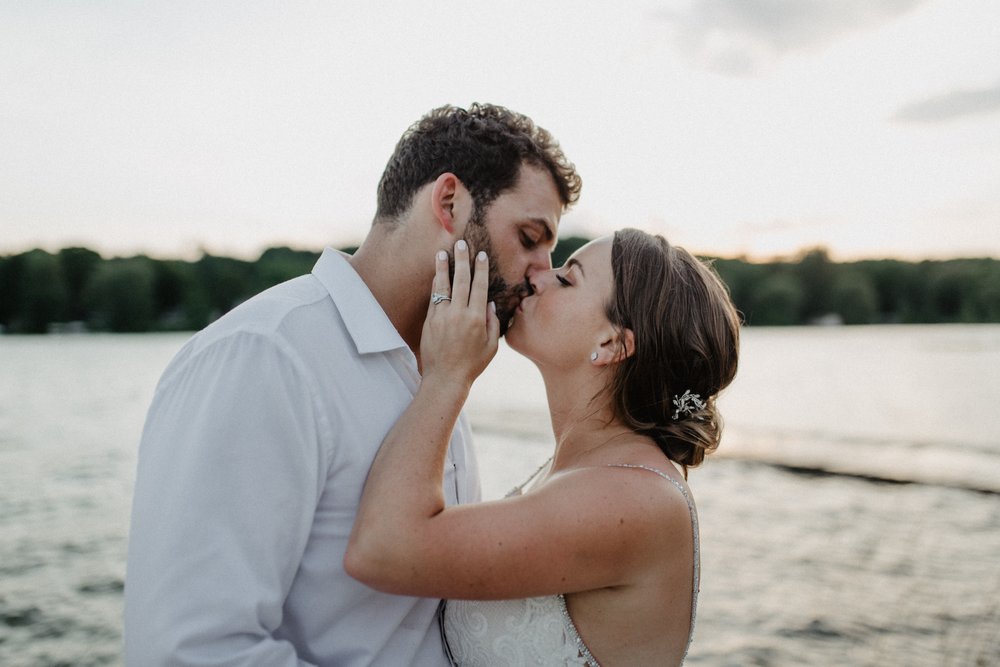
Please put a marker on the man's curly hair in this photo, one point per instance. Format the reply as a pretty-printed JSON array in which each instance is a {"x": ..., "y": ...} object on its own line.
[{"x": 484, "y": 146}]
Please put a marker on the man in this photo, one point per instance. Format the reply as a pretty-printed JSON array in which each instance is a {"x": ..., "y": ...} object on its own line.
[{"x": 263, "y": 428}]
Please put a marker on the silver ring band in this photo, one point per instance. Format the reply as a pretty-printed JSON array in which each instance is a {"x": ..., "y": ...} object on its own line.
[{"x": 437, "y": 298}]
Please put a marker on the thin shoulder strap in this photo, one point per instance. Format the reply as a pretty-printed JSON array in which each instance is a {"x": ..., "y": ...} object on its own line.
[
  {"x": 519, "y": 489},
  {"x": 694, "y": 530},
  {"x": 680, "y": 487}
]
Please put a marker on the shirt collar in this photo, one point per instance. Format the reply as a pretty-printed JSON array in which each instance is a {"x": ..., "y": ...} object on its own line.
[{"x": 366, "y": 322}]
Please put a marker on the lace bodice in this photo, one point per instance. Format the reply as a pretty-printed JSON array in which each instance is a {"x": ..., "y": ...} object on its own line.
[
  {"x": 533, "y": 631},
  {"x": 508, "y": 633}
]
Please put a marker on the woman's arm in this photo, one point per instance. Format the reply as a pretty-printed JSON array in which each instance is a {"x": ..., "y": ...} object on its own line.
[{"x": 582, "y": 529}]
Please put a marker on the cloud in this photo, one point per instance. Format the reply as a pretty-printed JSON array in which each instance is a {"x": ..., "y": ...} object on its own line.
[
  {"x": 951, "y": 105},
  {"x": 740, "y": 37}
]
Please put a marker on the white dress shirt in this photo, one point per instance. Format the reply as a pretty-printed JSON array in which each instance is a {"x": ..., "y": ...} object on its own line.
[{"x": 251, "y": 466}]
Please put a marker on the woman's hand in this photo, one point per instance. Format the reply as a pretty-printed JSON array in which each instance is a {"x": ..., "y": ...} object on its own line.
[{"x": 460, "y": 335}]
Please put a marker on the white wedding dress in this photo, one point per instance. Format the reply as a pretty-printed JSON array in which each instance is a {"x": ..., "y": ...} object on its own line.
[{"x": 532, "y": 631}]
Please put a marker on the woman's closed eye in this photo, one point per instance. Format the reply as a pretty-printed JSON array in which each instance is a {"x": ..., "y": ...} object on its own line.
[{"x": 563, "y": 281}]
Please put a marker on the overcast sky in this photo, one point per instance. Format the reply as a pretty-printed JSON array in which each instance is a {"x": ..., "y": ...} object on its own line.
[{"x": 756, "y": 127}]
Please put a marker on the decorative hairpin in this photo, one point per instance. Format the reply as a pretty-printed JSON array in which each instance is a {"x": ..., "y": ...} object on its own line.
[{"x": 687, "y": 404}]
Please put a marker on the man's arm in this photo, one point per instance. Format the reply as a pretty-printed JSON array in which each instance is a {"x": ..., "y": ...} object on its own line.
[{"x": 230, "y": 470}]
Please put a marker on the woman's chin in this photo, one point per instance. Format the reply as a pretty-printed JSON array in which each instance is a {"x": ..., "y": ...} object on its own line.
[{"x": 513, "y": 336}]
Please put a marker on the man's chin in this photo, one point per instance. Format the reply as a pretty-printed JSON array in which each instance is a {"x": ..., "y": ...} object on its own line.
[
  {"x": 505, "y": 321},
  {"x": 507, "y": 299},
  {"x": 505, "y": 313}
]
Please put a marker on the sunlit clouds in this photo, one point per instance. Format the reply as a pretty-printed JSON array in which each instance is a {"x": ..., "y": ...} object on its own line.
[
  {"x": 951, "y": 105},
  {"x": 741, "y": 37}
]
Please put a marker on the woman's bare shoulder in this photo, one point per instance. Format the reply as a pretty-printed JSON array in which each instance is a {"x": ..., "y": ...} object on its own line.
[{"x": 650, "y": 495}]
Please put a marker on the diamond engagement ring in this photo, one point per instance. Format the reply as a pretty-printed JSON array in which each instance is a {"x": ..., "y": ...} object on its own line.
[{"x": 437, "y": 298}]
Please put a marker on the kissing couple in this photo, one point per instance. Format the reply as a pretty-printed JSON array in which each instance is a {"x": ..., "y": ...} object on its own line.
[{"x": 307, "y": 491}]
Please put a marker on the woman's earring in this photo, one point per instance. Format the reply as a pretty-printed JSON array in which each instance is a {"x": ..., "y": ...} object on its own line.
[{"x": 593, "y": 356}]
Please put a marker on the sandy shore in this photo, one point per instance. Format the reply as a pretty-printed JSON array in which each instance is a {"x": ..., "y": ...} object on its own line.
[
  {"x": 806, "y": 569},
  {"x": 797, "y": 570}
]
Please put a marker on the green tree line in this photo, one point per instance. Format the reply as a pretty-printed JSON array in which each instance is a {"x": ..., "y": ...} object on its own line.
[{"x": 78, "y": 289}]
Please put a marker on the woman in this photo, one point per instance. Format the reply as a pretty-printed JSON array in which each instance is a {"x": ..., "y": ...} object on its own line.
[{"x": 596, "y": 562}]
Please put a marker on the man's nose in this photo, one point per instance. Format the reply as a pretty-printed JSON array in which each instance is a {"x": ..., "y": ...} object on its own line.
[{"x": 540, "y": 263}]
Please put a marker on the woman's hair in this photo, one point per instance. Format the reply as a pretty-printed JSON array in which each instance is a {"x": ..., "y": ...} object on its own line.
[
  {"x": 484, "y": 145},
  {"x": 686, "y": 333}
]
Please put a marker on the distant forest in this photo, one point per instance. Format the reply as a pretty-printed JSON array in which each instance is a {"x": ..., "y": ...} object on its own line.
[{"x": 76, "y": 289}]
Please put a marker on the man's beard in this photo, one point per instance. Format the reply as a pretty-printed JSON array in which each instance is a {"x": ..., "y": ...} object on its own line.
[{"x": 507, "y": 297}]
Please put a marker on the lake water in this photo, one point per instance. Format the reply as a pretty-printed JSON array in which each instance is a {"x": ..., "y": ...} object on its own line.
[{"x": 801, "y": 567}]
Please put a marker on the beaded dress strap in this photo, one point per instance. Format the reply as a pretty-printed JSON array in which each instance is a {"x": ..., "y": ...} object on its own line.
[
  {"x": 694, "y": 530},
  {"x": 574, "y": 634},
  {"x": 519, "y": 489}
]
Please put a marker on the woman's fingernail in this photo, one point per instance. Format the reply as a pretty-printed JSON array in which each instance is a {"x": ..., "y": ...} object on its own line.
[
  {"x": 442, "y": 255},
  {"x": 493, "y": 306},
  {"x": 481, "y": 256},
  {"x": 461, "y": 245}
]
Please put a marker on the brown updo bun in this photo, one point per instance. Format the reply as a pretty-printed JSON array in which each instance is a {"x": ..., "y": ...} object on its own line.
[{"x": 686, "y": 333}]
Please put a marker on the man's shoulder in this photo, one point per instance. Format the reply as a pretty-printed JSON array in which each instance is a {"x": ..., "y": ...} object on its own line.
[
  {"x": 276, "y": 317},
  {"x": 286, "y": 326},
  {"x": 268, "y": 312}
]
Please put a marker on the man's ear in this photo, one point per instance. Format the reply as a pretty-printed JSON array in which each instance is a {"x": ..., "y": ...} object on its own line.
[
  {"x": 617, "y": 347},
  {"x": 443, "y": 196}
]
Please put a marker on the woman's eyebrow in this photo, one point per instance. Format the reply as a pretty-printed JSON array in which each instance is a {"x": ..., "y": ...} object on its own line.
[{"x": 572, "y": 261}]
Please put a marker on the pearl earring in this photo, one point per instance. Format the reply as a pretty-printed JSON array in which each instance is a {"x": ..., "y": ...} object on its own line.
[{"x": 593, "y": 356}]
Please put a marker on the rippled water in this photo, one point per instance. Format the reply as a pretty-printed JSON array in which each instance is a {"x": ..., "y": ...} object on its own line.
[
  {"x": 799, "y": 568},
  {"x": 71, "y": 410}
]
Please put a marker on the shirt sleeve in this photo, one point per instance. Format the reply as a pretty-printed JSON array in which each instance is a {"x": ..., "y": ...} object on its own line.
[{"x": 230, "y": 469}]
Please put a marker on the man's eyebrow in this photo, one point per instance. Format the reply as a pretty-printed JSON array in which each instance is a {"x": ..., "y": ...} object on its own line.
[{"x": 572, "y": 261}]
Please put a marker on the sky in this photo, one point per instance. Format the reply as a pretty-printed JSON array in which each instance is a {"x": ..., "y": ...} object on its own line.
[{"x": 753, "y": 128}]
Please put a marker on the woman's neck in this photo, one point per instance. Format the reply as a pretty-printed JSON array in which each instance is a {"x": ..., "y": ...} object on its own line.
[{"x": 582, "y": 418}]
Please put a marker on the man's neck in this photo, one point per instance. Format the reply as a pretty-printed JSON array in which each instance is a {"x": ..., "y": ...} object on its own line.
[{"x": 389, "y": 262}]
